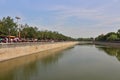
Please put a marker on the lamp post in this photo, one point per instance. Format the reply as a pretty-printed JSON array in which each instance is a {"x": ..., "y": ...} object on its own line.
[
  {"x": 18, "y": 26},
  {"x": 9, "y": 36}
]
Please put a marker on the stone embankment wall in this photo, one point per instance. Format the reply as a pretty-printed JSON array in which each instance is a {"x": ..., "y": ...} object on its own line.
[
  {"x": 8, "y": 51},
  {"x": 111, "y": 44}
]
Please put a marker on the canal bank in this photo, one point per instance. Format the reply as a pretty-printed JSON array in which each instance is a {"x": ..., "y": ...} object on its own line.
[
  {"x": 110, "y": 44},
  {"x": 8, "y": 51},
  {"x": 81, "y": 62},
  {"x": 25, "y": 60}
]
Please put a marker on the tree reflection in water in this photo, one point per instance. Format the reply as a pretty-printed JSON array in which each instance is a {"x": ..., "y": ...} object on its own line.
[
  {"x": 28, "y": 66},
  {"x": 111, "y": 51}
]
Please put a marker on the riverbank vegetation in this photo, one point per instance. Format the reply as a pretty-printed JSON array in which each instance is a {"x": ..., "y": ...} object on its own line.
[
  {"x": 8, "y": 27},
  {"x": 85, "y": 39},
  {"x": 111, "y": 36}
]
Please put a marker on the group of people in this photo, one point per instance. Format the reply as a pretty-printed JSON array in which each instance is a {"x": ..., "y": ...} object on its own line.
[{"x": 8, "y": 39}]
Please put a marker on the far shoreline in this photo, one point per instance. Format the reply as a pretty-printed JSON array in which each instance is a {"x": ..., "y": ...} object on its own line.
[{"x": 109, "y": 44}]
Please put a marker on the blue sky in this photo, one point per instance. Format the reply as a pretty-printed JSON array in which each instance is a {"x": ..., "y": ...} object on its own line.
[{"x": 76, "y": 18}]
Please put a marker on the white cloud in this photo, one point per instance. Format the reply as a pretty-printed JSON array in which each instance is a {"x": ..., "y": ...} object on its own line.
[
  {"x": 106, "y": 22},
  {"x": 91, "y": 14}
]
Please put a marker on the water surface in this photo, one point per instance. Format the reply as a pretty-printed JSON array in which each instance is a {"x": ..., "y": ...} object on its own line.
[{"x": 82, "y": 62}]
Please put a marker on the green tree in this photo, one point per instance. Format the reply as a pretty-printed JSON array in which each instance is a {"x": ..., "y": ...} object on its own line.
[
  {"x": 49, "y": 35},
  {"x": 29, "y": 32},
  {"x": 8, "y": 26},
  {"x": 112, "y": 37},
  {"x": 100, "y": 38},
  {"x": 118, "y": 33}
]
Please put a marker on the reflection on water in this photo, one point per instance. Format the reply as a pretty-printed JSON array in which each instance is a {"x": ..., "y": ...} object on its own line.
[
  {"x": 82, "y": 62},
  {"x": 28, "y": 65},
  {"x": 111, "y": 51}
]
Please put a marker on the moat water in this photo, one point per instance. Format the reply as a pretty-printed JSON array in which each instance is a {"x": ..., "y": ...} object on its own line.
[{"x": 81, "y": 62}]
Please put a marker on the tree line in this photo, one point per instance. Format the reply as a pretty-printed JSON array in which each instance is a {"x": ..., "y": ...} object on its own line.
[
  {"x": 85, "y": 39},
  {"x": 111, "y": 36},
  {"x": 8, "y": 27}
]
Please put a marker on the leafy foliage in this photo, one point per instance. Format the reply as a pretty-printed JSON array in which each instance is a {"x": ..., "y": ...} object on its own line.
[
  {"x": 85, "y": 39},
  {"x": 112, "y": 36},
  {"x": 9, "y": 27}
]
